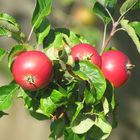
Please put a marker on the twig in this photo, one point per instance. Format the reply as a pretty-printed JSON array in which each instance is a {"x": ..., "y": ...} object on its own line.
[
  {"x": 30, "y": 34},
  {"x": 104, "y": 35},
  {"x": 110, "y": 15},
  {"x": 113, "y": 31}
]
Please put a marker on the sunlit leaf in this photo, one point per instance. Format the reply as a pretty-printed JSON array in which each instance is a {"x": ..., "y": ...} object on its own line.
[
  {"x": 104, "y": 126},
  {"x": 136, "y": 26},
  {"x": 43, "y": 30},
  {"x": 70, "y": 135},
  {"x": 100, "y": 11},
  {"x": 127, "y": 5},
  {"x": 9, "y": 23},
  {"x": 78, "y": 109},
  {"x": 2, "y": 53},
  {"x": 83, "y": 126},
  {"x": 131, "y": 32},
  {"x": 15, "y": 51},
  {"x": 42, "y": 9},
  {"x": 6, "y": 95},
  {"x": 91, "y": 73}
]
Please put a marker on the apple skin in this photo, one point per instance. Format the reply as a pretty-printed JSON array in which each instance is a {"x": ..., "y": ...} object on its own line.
[
  {"x": 115, "y": 67},
  {"x": 32, "y": 70},
  {"x": 86, "y": 52}
]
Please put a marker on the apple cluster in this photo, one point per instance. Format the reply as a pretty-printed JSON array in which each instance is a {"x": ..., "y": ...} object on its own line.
[{"x": 33, "y": 70}]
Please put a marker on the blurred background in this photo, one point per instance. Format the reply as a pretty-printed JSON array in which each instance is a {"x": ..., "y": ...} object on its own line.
[{"x": 78, "y": 16}]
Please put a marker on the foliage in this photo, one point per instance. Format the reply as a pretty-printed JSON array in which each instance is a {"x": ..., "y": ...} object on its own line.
[{"x": 79, "y": 100}]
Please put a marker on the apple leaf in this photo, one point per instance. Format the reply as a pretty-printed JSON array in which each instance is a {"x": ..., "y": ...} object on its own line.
[
  {"x": 9, "y": 23},
  {"x": 15, "y": 51},
  {"x": 105, "y": 106},
  {"x": 4, "y": 32},
  {"x": 57, "y": 129},
  {"x": 70, "y": 37},
  {"x": 42, "y": 9},
  {"x": 9, "y": 27},
  {"x": 127, "y": 5},
  {"x": 2, "y": 114},
  {"x": 2, "y": 54},
  {"x": 100, "y": 11},
  {"x": 58, "y": 97},
  {"x": 83, "y": 126},
  {"x": 50, "y": 104},
  {"x": 109, "y": 94},
  {"x": 137, "y": 5},
  {"x": 78, "y": 109},
  {"x": 136, "y": 26},
  {"x": 52, "y": 44},
  {"x": 131, "y": 32},
  {"x": 104, "y": 126},
  {"x": 89, "y": 96},
  {"x": 106, "y": 3},
  {"x": 6, "y": 95},
  {"x": 43, "y": 30},
  {"x": 47, "y": 106},
  {"x": 91, "y": 73},
  {"x": 70, "y": 135}
]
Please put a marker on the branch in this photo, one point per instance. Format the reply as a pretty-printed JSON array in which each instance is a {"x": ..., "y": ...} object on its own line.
[{"x": 113, "y": 31}]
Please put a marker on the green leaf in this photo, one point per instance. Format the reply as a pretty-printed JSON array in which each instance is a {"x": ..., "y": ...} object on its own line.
[
  {"x": 9, "y": 23},
  {"x": 42, "y": 9},
  {"x": 78, "y": 109},
  {"x": 83, "y": 39},
  {"x": 2, "y": 114},
  {"x": 47, "y": 106},
  {"x": 57, "y": 129},
  {"x": 136, "y": 26},
  {"x": 89, "y": 96},
  {"x": 105, "y": 106},
  {"x": 109, "y": 94},
  {"x": 32, "y": 104},
  {"x": 4, "y": 32},
  {"x": 2, "y": 54},
  {"x": 70, "y": 37},
  {"x": 58, "y": 97},
  {"x": 102, "y": 2},
  {"x": 6, "y": 95},
  {"x": 95, "y": 133},
  {"x": 91, "y": 73},
  {"x": 15, "y": 51},
  {"x": 131, "y": 32},
  {"x": 83, "y": 126},
  {"x": 137, "y": 5},
  {"x": 54, "y": 39},
  {"x": 127, "y": 5},
  {"x": 43, "y": 30},
  {"x": 100, "y": 11},
  {"x": 70, "y": 135},
  {"x": 50, "y": 104},
  {"x": 52, "y": 44},
  {"x": 19, "y": 36},
  {"x": 10, "y": 28},
  {"x": 110, "y": 3},
  {"x": 104, "y": 126}
]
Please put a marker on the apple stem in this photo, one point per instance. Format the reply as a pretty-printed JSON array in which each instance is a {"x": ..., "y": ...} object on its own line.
[
  {"x": 130, "y": 66},
  {"x": 30, "y": 79}
]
